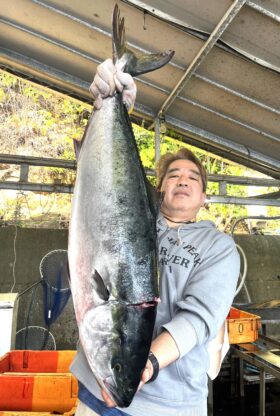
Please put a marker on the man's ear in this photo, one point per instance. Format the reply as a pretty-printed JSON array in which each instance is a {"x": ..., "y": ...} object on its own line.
[{"x": 203, "y": 198}]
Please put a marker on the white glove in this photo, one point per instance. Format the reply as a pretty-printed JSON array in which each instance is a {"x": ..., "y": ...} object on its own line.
[{"x": 108, "y": 79}]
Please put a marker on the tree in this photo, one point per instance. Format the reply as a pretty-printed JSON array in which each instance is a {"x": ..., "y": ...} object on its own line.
[{"x": 36, "y": 121}]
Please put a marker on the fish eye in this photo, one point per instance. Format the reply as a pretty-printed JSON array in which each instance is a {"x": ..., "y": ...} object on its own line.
[{"x": 117, "y": 367}]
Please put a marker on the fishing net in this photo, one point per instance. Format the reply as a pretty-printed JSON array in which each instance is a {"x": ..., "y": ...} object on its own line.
[
  {"x": 55, "y": 278},
  {"x": 35, "y": 338}
]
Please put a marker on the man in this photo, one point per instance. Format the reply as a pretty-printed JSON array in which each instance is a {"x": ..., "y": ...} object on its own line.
[{"x": 199, "y": 268}]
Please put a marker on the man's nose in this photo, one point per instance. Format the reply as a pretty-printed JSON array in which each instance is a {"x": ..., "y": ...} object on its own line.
[{"x": 182, "y": 181}]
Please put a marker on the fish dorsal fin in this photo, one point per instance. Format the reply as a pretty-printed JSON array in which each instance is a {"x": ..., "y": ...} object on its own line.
[
  {"x": 77, "y": 147},
  {"x": 78, "y": 144},
  {"x": 154, "y": 197},
  {"x": 132, "y": 63},
  {"x": 99, "y": 286}
]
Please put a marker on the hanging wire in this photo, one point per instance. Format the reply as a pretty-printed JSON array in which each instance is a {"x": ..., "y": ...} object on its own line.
[
  {"x": 26, "y": 201},
  {"x": 144, "y": 20},
  {"x": 17, "y": 219},
  {"x": 15, "y": 260},
  {"x": 49, "y": 201}
]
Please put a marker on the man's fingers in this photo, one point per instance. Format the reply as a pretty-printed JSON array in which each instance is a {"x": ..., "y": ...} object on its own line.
[
  {"x": 102, "y": 85},
  {"x": 107, "y": 80},
  {"x": 144, "y": 378},
  {"x": 126, "y": 80},
  {"x": 96, "y": 95},
  {"x": 94, "y": 90},
  {"x": 126, "y": 85},
  {"x": 105, "y": 76},
  {"x": 98, "y": 103},
  {"x": 147, "y": 373},
  {"x": 119, "y": 86},
  {"x": 107, "y": 399}
]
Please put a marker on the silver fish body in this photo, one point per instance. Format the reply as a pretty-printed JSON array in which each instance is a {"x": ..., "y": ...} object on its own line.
[
  {"x": 112, "y": 252},
  {"x": 112, "y": 243}
]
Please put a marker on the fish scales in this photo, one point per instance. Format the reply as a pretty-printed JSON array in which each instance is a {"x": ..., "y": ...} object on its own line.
[
  {"x": 112, "y": 240},
  {"x": 113, "y": 208}
]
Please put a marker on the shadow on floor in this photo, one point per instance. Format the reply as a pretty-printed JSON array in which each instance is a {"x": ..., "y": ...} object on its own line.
[{"x": 224, "y": 405}]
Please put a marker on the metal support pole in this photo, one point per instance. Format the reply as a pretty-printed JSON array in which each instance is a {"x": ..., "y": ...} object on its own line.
[
  {"x": 233, "y": 376},
  {"x": 264, "y": 11},
  {"x": 24, "y": 170},
  {"x": 157, "y": 139},
  {"x": 241, "y": 376},
  {"x": 262, "y": 393},
  {"x": 223, "y": 188}
]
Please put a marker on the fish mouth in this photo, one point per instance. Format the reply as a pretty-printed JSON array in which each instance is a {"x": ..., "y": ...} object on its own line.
[
  {"x": 147, "y": 304},
  {"x": 109, "y": 384}
]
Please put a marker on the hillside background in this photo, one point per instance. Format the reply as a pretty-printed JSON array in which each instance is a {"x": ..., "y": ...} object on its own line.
[{"x": 36, "y": 121}]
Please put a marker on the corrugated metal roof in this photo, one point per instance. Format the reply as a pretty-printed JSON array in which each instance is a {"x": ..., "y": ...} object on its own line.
[{"x": 221, "y": 90}]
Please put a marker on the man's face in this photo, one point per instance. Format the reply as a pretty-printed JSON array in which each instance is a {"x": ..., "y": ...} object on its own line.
[{"x": 182, "y": 187}]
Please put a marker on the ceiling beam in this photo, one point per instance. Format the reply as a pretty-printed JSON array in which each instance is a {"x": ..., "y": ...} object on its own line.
[
  {"x": 39, "y": 73},
  {"x": 72, "y": 164},
  {"x": 37, "y": 161},
  {"x": 68, "y": 189},
  {"x": 204, "y": 139},
  {"x": 221, "y": 199},
  {"x": 215, "y": 112},
  {"x": 200, "y": 33},
  {"x": 242, "y": 180},
  {"x": 184, "y": 99},
  {"x": 263, "y": 10},
  {"x": 171, "y": 19},
  {"x": 271, "y": 195},
  {"x": 37, "y": 187},
  {"x": 108, "y": 34},
  {"x": 238, "y": 94},
  {"x": 243, "y": 153},
  {"x": 73, "y": 86},
  {"x": 201, "y": 55},
  {"x": 136, "y": 47}
]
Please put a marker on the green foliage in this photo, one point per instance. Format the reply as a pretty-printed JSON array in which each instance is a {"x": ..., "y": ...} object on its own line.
[{"x": 38, "y": 122}]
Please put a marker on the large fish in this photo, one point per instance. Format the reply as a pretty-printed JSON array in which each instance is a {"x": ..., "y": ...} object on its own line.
[{"x": 112, "y": 240}]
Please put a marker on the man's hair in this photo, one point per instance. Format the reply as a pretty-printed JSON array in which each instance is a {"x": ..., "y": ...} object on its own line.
[{"x": 166, "y": 160}]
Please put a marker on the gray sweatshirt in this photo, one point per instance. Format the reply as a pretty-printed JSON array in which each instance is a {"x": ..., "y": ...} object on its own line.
[{"x": 199, "y": 268}]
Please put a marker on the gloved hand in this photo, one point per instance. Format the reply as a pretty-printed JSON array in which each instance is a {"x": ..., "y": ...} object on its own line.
[{"x": 108, "y": 79}]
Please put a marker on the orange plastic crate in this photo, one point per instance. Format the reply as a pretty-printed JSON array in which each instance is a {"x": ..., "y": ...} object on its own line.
[
  {"x": 242, "y": 326},
  {"x": 37, "y": 381},
  {"x": 16, "y": 413}
]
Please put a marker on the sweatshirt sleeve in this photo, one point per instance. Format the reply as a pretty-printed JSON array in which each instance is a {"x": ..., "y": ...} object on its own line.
[{"x": 207, "y": 296}]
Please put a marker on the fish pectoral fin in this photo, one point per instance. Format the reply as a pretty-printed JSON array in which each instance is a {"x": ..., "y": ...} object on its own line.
[
  {"x": 100, "y": 287},
  {"x": 65, "y": 272}
]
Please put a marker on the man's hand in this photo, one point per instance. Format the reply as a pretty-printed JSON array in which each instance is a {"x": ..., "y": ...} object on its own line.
[
  {"x": 166, "y": 352},
  {"x": 110, "y": 78},
  {"x": 146, "y": 375}
]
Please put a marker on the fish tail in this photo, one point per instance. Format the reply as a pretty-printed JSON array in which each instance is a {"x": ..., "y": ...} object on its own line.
[
  {"x": 134, "y": 64},
  {"x": 119, "y": 40}
]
